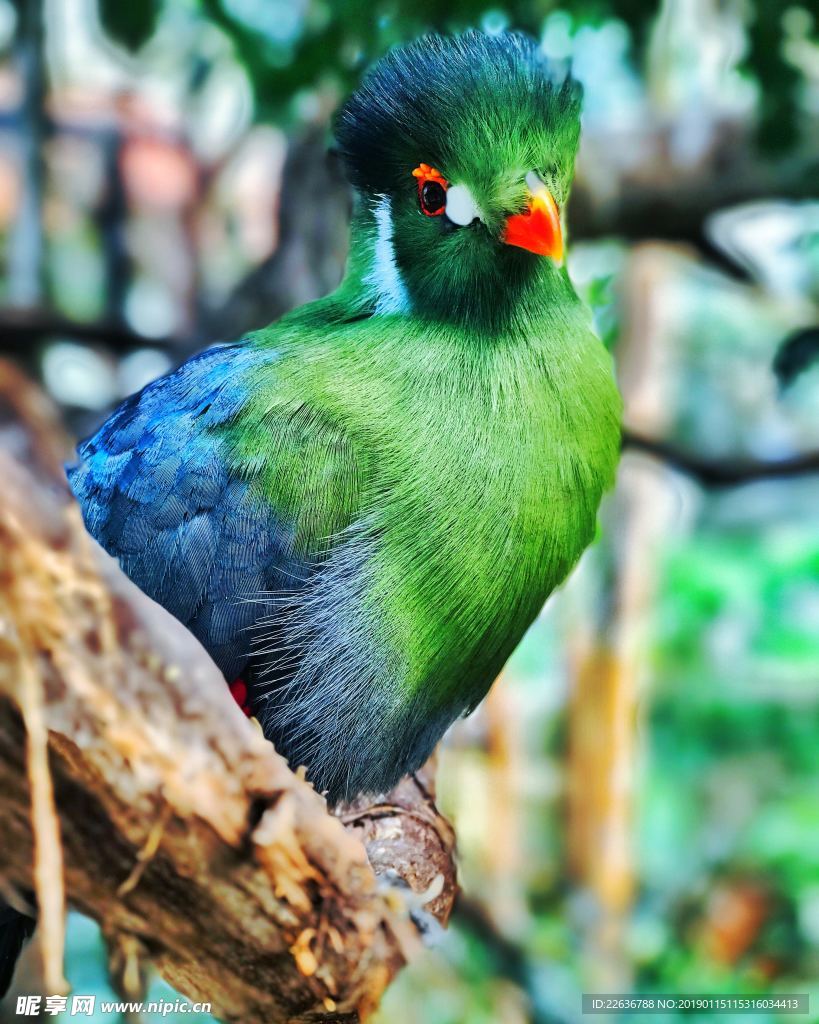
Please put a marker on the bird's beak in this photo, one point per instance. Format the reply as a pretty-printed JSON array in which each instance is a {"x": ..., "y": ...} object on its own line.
[{"x": 538, "y": 229}]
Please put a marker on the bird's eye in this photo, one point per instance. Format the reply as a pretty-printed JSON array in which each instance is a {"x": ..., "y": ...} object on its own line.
[
  {"x": 432, "y": 186},
  {"x": 433, "y": 198}
]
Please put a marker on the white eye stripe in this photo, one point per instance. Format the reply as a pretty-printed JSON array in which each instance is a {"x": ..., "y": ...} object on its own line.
[
  {"x": 461, "y": 208},
  {"x": 391, "y": 293}
]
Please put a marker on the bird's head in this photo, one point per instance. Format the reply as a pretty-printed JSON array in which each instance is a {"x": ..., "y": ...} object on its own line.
[{"x": 461, "y": 150}]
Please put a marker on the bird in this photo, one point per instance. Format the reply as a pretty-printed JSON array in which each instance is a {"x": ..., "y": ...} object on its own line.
[{"x": 360, "y": 509}]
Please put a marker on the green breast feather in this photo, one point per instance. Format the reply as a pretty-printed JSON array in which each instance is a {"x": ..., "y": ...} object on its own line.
[{"x": 447, "y": 479}]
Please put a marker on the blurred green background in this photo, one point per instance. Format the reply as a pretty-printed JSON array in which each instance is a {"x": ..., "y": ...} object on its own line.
[{"x": 638, "y": 804}]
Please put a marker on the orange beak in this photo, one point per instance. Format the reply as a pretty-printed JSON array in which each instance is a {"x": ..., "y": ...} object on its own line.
[{"x": 537, "y": 230}]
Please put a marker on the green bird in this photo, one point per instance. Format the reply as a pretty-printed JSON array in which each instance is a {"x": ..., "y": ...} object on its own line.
[{"x": 360, "y": 509}]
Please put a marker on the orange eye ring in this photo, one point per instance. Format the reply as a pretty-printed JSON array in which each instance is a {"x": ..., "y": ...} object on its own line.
[{"x": 432, "y": 186}]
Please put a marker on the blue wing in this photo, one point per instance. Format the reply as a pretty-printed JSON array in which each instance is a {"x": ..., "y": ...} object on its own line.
[{"x": 157, "y": 493}]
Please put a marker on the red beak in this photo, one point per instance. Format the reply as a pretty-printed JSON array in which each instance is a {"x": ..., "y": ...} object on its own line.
[{"x": 537, "y": 230}]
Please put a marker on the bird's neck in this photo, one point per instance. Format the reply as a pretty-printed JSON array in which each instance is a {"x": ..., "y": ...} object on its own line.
[{"x": 373, "y": 285}]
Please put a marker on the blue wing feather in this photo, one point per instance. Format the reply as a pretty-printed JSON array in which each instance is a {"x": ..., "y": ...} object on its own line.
[{"x": 156, "y": 491}]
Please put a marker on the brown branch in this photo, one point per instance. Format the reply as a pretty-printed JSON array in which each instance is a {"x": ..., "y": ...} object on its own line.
[
  {"x": 658, "y": 199},
  {"x": 718, "y": 473},
  {"x": 183, "y": 832},
  {"x": 22, "y": 328}
]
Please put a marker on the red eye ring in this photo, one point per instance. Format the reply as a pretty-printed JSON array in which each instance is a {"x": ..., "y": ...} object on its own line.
[{"x": 432, "y": 186}]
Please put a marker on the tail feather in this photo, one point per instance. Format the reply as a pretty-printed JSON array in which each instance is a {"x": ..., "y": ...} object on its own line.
[{"x": 15, "y": 930}]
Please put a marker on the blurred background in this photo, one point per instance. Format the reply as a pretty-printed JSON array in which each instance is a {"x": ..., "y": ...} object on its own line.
[{"x": 637, "y": 804}]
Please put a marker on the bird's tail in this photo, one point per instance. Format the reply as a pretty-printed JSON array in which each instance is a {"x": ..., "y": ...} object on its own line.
[{"x": 15, "y": 930}]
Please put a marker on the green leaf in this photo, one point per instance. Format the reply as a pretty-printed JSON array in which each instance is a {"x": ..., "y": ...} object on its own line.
[{"x": 130, "y": 24}]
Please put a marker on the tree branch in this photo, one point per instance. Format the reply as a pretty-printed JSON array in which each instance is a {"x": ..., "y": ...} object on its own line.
[
  {"x": 717, "y": 473},
  {"x": 183, "y": 832},
  {"x": 22, "y": 328}
]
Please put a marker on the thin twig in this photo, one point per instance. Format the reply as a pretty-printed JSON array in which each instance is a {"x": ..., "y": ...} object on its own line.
[
  {"x": 48, "y": 856},
  {"x": 147, "y": 853}
]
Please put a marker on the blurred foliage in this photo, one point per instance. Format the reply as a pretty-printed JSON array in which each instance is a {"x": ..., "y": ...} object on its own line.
[
  {"x": 287, "y": 46},
  {"x": 131, "y": 24},
  {"x": 778, "y": 127},
  {"x": 726, "y": 863}
]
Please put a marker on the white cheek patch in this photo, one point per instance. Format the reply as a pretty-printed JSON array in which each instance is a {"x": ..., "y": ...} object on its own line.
[{"x": 460, "y": 206}]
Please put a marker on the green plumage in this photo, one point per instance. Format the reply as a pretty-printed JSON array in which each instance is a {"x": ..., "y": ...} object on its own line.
[{"x": 434, "y": 438}]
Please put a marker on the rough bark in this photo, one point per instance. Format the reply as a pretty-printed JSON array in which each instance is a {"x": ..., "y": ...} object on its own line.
[{"x": 182, "y": 831}]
